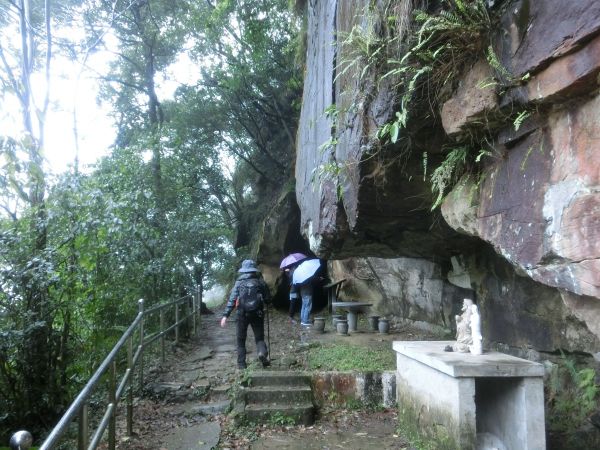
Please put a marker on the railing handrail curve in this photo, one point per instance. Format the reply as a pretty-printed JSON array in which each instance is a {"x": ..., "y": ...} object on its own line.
[
  {"x": 69, "y": 415},
  {"x": 79, "y": 403}
]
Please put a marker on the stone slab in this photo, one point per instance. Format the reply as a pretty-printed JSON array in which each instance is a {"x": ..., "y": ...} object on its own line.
[
  {"x": 211, "y": 409},
  {"x": 490, "y": 364},
  {"x": 204, "y": 436},
  {"x": 351, "y": 305}
]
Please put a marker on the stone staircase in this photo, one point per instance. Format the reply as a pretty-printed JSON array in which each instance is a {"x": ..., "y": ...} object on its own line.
[{"x": 269, "y": 395}]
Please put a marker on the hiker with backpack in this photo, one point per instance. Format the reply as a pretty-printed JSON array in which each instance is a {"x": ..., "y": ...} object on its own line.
[{"x": 250, "y": 293}]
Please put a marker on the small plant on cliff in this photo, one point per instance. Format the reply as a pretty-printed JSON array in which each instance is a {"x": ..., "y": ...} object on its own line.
[
  {"x": 458, "y": 161},
  {"x": 279, "y": 419},
  {"x": 441, "y": 45},
  {"x": 447, "y": 173},
  {"x": 363, "y": 48},
  {"x": 421, "y": 53}
]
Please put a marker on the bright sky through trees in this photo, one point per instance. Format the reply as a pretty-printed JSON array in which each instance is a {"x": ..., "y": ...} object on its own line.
[
  {"x": 74, "y": 98},
  {"x": 74, "y": 94}
]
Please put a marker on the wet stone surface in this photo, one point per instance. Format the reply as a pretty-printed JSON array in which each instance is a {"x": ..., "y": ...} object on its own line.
[{"x": 185, "y": 403}]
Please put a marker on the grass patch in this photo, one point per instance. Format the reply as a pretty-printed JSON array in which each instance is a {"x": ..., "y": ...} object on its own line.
[{"x": 343, "y": 356}]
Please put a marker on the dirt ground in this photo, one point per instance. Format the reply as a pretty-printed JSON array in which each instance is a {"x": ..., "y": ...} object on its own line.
[{"x": 184, "y": 403}]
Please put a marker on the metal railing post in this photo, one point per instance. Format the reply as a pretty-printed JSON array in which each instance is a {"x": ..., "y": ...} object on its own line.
[
  {"x": 141, "y": 344},
  {"x": 112, "y": 399},
  {"x": 186, "y": 307},
  {"x": 83, "y": 437},
  {"x": 162, "y": 336},
  {"x": 130, "y": 388},
  {"x": 199, "y": 305},
  {"x": 194, "y": 315},
  {"x": 176, "y": 323}
]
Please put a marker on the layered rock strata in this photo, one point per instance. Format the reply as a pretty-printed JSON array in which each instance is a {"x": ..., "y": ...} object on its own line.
[{"x": 536, "y": 203}]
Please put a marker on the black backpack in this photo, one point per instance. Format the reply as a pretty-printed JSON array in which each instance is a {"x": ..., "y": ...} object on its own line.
[{"x": 250, "y": 296}]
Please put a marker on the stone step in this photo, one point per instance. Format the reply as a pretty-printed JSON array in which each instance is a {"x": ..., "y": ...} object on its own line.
[
  {"x": 221, "y": 392},
  {"x": 278, "y": 394},
  {"x": 301, "y": 414},
  {"x": 278, "y": 378}
]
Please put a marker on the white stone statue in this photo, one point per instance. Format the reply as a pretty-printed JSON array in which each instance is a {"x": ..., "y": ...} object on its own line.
[
  {"x": 475, "y": 348},
  {"x": 463, "y": 328}
]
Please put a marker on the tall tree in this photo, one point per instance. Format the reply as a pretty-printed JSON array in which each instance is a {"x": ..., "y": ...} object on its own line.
[
  {"x": 30, "y": 382},
  {"x": 149, "y": 36},
  {"x": 249, "y": 96}
]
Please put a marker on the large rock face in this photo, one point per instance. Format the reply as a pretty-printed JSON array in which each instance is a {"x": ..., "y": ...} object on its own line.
[
  {"x": 316, "y": 191},
  {"x": 537, "y": 204},
  {"x": 354, "y": 198},
  {"x": 416, "y": 287}
]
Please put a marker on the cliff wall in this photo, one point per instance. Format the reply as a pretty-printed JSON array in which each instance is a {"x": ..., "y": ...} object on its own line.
[{"x": 522, "y": 236}]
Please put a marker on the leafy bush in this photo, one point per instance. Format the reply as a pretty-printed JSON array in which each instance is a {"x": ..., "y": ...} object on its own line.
[{"x": 572, "y": 395}]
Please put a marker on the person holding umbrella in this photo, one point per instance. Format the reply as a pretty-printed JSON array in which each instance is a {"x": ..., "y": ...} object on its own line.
[
  {"x": 302, "y": 284},
  {"x": 249, "y": 294},
  {"x": 288, "y": 264}
]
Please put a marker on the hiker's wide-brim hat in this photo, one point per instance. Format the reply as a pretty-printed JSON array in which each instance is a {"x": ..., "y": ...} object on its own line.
[{"x": 248, "y": 266}]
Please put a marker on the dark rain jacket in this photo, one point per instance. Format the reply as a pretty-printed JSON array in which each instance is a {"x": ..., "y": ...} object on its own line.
[{"x": 264, "y": 290}]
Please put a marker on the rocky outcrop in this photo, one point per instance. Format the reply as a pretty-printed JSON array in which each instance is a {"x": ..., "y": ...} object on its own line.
[
  {"x": 316, "y": 190},
  {"x": 537, "y": 203},
  {"x": 279, "y": 235},
  {"x": 355, "y": 197},
  {"x": 414, "y": 287},
  {"x": 515, "y": 310}
]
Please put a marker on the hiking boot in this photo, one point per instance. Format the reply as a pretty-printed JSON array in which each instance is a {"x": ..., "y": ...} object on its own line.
[{"x": 264, "y": 360}]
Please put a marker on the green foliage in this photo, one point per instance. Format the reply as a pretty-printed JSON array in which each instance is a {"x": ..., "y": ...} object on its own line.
[
  {"x": 30, "y": 448},
  {"x": 521, "y": 117},
  {"x": 392, "y": 129},
  {"x": 279, "y": 419},
  {"x": 572, "y": 395},
  {"x": 157, "y": 216},
  {"x": 447, "y": 173},
  {"x": 249, "y": 102},
  {"x": 363, "y": 47},
  {"x": 439, "y": 48},
  {"x": 420, "y": 53},
  {"x": 495, "y": 64},
  {"x": 344, "y": 356}
]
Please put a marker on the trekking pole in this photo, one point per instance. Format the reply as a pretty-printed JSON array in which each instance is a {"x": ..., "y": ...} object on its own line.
[{"x": 268, "y": 333}]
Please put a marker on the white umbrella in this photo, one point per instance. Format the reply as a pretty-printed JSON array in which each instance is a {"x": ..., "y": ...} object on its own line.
[{"x": 305, "y": 270}]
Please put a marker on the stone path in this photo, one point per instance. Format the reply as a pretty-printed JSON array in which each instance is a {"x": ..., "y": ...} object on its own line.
[{"x": 185, "y": 402}]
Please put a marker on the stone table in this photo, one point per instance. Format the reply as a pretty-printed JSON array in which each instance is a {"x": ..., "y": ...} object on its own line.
[
  {"x": 471, "y": 398},
  {"x": 354, "y": 309}
]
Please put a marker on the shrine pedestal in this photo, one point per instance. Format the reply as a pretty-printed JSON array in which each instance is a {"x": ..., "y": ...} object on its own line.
[{"x": 494, "y": 398}]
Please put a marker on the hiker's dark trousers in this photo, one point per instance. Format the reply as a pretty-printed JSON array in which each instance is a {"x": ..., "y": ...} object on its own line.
[{"x": 256, "y": 320}]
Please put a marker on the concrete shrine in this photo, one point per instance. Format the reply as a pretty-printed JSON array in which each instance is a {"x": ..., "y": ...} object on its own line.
[{"x": 492, "y": 400}]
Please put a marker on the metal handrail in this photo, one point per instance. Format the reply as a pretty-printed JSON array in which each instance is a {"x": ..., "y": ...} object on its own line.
[{"x": 79, "y": 406}]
